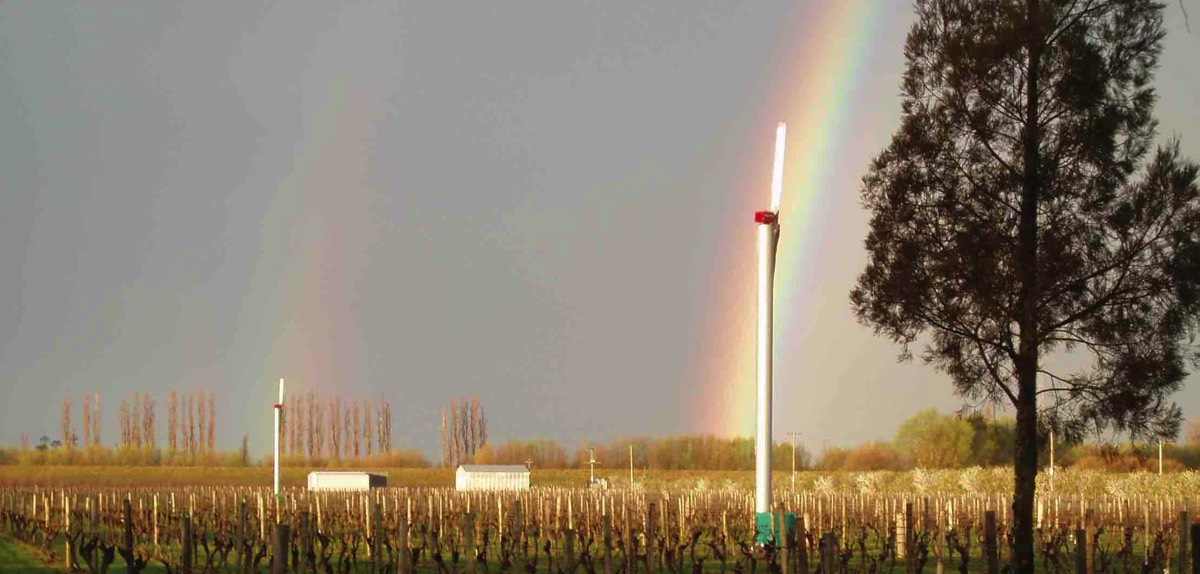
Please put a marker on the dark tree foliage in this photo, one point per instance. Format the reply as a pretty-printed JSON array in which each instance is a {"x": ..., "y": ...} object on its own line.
[{"x": 1020, "y": 212}]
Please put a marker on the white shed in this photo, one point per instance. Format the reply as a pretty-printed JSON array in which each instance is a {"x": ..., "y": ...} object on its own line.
[
  {"x": 345, "y": 480},
  {"x": 491, "y": 477}
]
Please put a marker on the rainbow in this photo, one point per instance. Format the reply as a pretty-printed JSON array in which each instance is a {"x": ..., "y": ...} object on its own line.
[
  {"x": 314, "y": 242},
  {"x": 825, "y": 65}
]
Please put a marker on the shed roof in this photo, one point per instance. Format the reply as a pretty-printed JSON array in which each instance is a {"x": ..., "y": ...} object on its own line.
[
  {"x": 493, "y": 467},
  {"x": 347, "y": 472}
]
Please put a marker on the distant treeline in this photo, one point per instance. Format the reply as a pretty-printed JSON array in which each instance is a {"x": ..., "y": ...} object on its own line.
[
  {"x": 928, "y": 440},
  {"x": 332, "y": 431}
]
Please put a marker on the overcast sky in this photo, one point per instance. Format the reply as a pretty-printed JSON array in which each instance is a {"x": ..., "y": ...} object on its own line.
[{"x": 543, "y": 204}]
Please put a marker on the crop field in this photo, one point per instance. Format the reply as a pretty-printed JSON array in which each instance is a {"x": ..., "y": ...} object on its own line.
[{"x": 866, "y": 523}]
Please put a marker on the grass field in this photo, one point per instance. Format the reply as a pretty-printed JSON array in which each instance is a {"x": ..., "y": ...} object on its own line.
[{"x": 16, "y": 560}]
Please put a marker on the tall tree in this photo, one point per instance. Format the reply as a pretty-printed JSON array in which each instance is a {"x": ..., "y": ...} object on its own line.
[
  {"x": 314, "y": 425},
  {"x": 1018, "y": 212},
  {"x": 319, "y": 425},
  {"x": 297, "y": 437},
  {"x": 385, "y": 425},
  {"x": 173, "y": 421},
  {"x": 65, "y": 423},
  {"x": 930, "y": 439},
  {"x": 148, "y": 431},
  {"x": 96, "y": 419},
  {"x": 123, "y": 422},
  {"x": 191, "y": 424},
  {"x": 87, "y": 420},
  {"x": 464, "y": 431},
  {"x": 445, "y": 440},
  {"x": 202, "y": 415},
  {"x": 335, "y": 428},
  {"x": 346, "y": 433},
  {"x": 212, "y": 422},
  {"x": 357, "y": 432},
  {"x": 367, "y": 427},
  {"x": 135, "y": 421}
]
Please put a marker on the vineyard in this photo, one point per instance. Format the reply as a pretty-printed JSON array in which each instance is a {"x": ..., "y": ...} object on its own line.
[{"x": 848, "y": 527}]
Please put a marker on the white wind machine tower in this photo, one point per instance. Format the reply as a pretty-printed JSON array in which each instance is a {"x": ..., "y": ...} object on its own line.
[
  {"x": 278, "y": 412},
  {"x": 768, "y": 240}
]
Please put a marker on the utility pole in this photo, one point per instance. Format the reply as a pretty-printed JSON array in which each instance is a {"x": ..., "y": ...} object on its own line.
[
  {"x": 630, "y": 465},
  {"x": 1051, "y": 460},
  {"x": 591, "y": 466},
  {"x": 793, "y": 435}
]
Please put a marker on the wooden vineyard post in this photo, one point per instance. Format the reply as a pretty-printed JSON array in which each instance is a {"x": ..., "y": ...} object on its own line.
[
  {"x": 650, "y": 508},
  {"x": 518, "y": 523},
  {"x": 989, "y": 542},
  {"x": 185, "y": 549},
  {"x": 1081, "y": 551},
  {"x": 785, "y": 542},
  {"x": 1183, "y": 542},
  {"x": 405, "y": 555},
  {"x": 606, "y": 534},
  {"x": 70, "y": 550},
  {"x": 569, "y": 558},
  {"x": 94, "y": 518},
  {"x": 243, "y": 551},
  {"x": 306, "y": 543},
  {"x": 1196, "y": 548},
  {"x": 279, "y": 559},
  {"x": 910, "y": 555},
  {"x": 1146, "y": 545},
  {"x": 627, "y": 535},
  {"x": 377, "y": 546},
  {"x": 468, "y": 528},
  {"x": 1089, "y": 529},
  {"x": 802, "y": 545},
  {"x": 154, "y": 519},
  {"x": 829, "y": 551},
  {"x": 127, "y": 539}
]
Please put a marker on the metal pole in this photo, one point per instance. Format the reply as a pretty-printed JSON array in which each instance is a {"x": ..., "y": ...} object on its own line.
[
  {"x": 768, "y": 234},
  {"x": 768, "y": 241},
  {"x": 1051, "y": 460},
  {"x": 278, "y": 411}
]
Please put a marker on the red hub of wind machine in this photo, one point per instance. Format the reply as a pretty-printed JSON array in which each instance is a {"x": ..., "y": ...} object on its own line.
[{"x": 765, "y": 217}]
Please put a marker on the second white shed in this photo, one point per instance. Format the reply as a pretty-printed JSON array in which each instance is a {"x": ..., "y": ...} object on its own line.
[
  {"x": 345, "y": 480},
  {"x": 491, "y": 477}
]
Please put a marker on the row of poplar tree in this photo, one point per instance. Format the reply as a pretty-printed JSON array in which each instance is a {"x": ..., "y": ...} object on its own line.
[
  {"x": 312, "y": 426},
  {"x": 332, "y": 427},
  {"x": 191, "y": 422}
]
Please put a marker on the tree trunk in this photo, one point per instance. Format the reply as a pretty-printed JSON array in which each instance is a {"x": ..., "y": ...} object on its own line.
[
  {"x": 1025, "y": 461},
  {"x": 1026, "y": 466}
]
